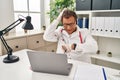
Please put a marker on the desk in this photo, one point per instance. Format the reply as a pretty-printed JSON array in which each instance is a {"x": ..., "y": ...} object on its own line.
[{"x": 21, "y": 70}]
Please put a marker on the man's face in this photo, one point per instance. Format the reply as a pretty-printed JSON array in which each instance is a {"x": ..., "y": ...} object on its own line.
[{"x": 69, "y": 24}]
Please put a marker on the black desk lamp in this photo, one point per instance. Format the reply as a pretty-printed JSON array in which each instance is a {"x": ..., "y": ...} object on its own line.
[{"x": 28, "y": 26}]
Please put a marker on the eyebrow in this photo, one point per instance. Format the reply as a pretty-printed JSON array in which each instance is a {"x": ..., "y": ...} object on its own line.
[{"x": 69, "y": 23}]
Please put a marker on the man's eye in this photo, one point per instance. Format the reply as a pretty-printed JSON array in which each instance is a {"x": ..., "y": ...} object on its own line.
[{"x": 71, "y": 24}]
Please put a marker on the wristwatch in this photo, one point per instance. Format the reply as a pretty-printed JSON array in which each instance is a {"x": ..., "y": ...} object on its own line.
[{"x": 74, "y": 46}]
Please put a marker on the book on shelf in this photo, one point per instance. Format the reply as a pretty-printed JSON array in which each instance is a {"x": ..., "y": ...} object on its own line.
[
  {"x": 80, "y": 22},
  {"x": 83, "y": 22}
]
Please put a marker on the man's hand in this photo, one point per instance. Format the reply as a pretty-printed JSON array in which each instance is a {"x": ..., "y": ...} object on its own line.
[
  {"x": 66, "y": 48},
  {"x": 60, "y": 15}
]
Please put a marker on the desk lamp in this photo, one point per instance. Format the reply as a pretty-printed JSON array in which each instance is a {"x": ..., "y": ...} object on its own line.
[{"x": 28, "y": 26}]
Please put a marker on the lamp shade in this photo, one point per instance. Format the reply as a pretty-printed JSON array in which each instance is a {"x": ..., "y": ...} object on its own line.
[{"x": 27, "y": 25}]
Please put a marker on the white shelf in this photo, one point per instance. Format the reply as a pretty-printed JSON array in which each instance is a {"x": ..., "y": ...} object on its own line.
[
  {"x": 92, "y": 11},
  {"x": 107, "y": 36},
  {"x": 117, "y": 10},
  {"x": 83, "y": 12},
  {"x": 113, "y": 59}
]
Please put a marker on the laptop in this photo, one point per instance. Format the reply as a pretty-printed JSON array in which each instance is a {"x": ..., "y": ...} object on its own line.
[{"x": 49, "y": 62}]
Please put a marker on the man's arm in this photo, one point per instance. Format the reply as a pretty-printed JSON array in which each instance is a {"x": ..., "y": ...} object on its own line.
[
  {"x": 89, "y": 44},
  {"x": 50, "y": 33}
]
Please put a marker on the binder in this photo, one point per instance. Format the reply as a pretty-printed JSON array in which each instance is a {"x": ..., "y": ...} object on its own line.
[
  {"x": 84, "y": 22},
  {"x": 116, "y": 26},
  {"x": 109, "y": 26},
  {"x": 83, "y": 5},
  {"x": 106, "y": 26},
  {"x": 80, "y": 22},
  {"x": 87, "y": 23},
  {"x": 99, "y": 25},
  {"x": 93, "y": 25}
]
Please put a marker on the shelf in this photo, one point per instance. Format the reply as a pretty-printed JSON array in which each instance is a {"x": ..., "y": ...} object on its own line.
[
  {"x": 117, "y": 10},
  {"x": 113, "y": 59},
  {"x": 106, "y": 36},
  {"x": 83, "y": 12},
  {"x": 92, "y": 11}
]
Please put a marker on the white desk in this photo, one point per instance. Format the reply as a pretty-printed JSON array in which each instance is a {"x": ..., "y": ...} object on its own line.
[{"x": 21, "y": 70}]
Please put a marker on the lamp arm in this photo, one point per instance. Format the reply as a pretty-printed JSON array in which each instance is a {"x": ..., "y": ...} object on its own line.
[
  {"x": 8, "y": 48},
  {"x": 5, "y": 44},
  {"x": 11, "y": 26},
  {"x": 7, "y": 29},
  {"x": 10, "y": 58}
]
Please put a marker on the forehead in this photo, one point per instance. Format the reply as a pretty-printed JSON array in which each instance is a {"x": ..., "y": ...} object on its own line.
[{"x": 68, "y": 20}]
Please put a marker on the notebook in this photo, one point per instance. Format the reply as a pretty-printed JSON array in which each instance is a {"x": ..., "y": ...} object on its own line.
[
  {"x": 89, "y": 72},
  {"x": 49, "y": 62}
]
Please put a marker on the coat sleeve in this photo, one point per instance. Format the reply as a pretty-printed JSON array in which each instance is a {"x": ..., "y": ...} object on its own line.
[
  {"x": 51, "y": 33},
  {"x": 89, "y": 44}
]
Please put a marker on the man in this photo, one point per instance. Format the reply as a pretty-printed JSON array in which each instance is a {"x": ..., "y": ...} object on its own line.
[{"x": 75, "y": 42}]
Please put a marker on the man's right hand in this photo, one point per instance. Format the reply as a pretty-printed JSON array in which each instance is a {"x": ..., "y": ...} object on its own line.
[
  {"x": 60, "y": 15},
  {"x": 66, "y": 48}
]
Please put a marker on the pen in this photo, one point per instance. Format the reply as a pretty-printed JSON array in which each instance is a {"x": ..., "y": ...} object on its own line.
[{"x": 104, "y": 74}]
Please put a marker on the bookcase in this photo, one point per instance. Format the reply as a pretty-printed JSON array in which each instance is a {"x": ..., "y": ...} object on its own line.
[{"x": 104, "y": 26}]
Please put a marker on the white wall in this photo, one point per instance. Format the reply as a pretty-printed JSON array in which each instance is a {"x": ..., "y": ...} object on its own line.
[{"x": 6, "y": 13}]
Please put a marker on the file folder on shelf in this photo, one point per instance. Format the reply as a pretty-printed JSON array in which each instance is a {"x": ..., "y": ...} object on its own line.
[
  {"x": 93, "y": 25},
  {"x": 116, "y": 26},
  {"x": 109, "y": 26},
  {"x": 87, "y": 23},
  {"x": 80, "y": 22},
  {"x": 106, "y": 26},
  {"x": 99, "y": 25},
  {"x": 83, "y": 22}
]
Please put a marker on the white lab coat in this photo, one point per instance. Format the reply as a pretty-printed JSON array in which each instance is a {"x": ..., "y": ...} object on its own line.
[{"x": 81, "y": 51}]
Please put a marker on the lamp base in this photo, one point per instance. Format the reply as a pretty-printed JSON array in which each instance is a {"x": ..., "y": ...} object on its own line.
[{"x": 11, "y": 59}]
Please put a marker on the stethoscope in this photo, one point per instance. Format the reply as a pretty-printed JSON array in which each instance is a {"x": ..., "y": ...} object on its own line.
[{"x": 80, "y": 37}]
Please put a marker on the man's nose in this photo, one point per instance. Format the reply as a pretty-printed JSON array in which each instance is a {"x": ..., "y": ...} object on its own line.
[{"x": 68, "y": 27}]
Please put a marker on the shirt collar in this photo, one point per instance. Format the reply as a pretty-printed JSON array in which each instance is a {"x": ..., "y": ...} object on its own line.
[{"x": 73, "y": 34}]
